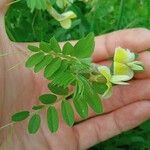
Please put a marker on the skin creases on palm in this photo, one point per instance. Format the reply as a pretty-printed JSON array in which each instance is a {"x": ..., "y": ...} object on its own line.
[{"x": 19, "y": 89}]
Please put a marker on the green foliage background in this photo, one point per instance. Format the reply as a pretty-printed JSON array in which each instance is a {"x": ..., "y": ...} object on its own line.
[{"x": 108, "y": 15}]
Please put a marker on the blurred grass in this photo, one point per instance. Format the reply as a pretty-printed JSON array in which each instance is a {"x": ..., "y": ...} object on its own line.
[{"x": 103, "y": 17}]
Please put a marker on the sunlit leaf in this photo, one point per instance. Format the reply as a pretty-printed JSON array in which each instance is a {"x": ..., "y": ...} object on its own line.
[
  {"x": 52, "y": 67},
  {"x": 100, "y": 88},
  {"x": 52, "y": 119},
  {"x": 92, "y": 97},
  {"x": 81, "y": 107},
  {"x": 20, "y": 116},
  {"x": 34, "y": 124},
  {"x": 85, "y": 47},
  {"x": 67, "y": 112},
  {"x": 68, "y": 49},
  {"x": 36, "y": 4},
  {"x": 63, "y": 79},
  {"x": 48, "y": 98},
  {"x": 33, "y": 48},
  {"x": 55, "y": 45},
  {"x": 59, "y": 90},
  {"x": 45, "y": 47},
  {"x": 34, "y": 59},
  {"x": 37, "y": 107},
  {"x": 41, "y": 65}
]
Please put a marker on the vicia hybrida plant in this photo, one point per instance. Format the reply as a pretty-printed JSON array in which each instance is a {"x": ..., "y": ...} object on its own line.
[{"x": 72, "y": 66}]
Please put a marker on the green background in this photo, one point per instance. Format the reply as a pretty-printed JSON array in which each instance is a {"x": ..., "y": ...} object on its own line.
[{"x": 107, "y": 16}]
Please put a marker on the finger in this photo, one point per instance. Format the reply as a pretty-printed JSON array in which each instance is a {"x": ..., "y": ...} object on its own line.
[
  {"x": 144, "y": 58},
  {"x": 136, "y": 40},
  {"x": 3, "y": 36},
  {"x": 4, "y": 5},
  {"x": 137, "y": 90},
  {"x": 122, "y": 96},
  {"x": 104, "y": 127}
]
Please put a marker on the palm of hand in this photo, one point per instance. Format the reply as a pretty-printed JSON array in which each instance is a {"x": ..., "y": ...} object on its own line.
[{"x": 20, "y": 89}]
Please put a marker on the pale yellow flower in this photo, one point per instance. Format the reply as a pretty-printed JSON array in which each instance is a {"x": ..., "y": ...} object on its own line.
[{"x": 124, "y": 63}]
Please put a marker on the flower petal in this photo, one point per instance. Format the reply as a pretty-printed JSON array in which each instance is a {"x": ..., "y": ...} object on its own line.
[
  {"x": 122, "y": 69},
  {"x": 123, "y": 56},
  {"x": 118, "y": 79},
  {"x": 105, "y": 71}
]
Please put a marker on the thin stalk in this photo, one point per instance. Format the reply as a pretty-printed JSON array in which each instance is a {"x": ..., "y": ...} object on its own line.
[
  {"x": 16, "y": 65},
  {"x": 120, "y": 14},
  {"x": 13, "y": 2},
  {"x": 5, "y": 126},
  {"x": 6, "y": 54}
]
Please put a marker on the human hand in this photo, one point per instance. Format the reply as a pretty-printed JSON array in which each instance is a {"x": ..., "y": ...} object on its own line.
[{"x": 19, "y": 89}]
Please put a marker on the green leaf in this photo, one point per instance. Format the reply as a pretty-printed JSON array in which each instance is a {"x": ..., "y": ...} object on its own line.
[
  {"x": 81, "y": 107},
  {"x": 100, "y": 88},
  {"x": 64, "y": 66},
  {"x": 34, "y": 59},
  {"x": 94, "y": 101},
  {"x": 91, "y": 97},
  {"x": 52, "y": 119},
  {"x": 37, "y": 107},
  {"x": 59, "y": 90},
  {"x": 20, "y": 116},
  {"x": 48, "y": 98},
  {"x": 41, "y": 65},
  {"x": 68, "y": 49},
  {"x": 52, "y": 67},
  {"x": 52, "y": 2},
  {"x": 36, "y": 4},
  {"x": 54, "y": 45},
  {"x": 67, "y": 112},
  {"x": 85, "y": 47},
  {"x": 45, "y": 47},
  {"x": 34, "y": 124},
  {"x": 33, "y": 48},
  {"x": 63, "y": 79}
]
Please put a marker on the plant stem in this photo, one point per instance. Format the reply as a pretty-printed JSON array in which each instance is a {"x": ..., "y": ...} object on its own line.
[
  {"x": 7, "y": 125},
  {"x": 120, "y": 14},
  {"x": 13, "y": 2}
]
